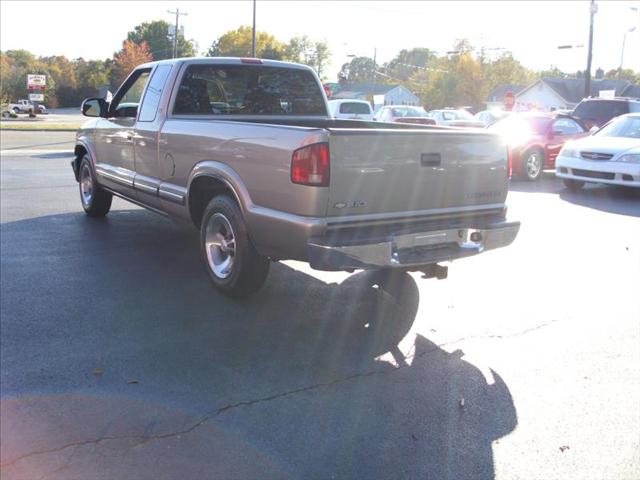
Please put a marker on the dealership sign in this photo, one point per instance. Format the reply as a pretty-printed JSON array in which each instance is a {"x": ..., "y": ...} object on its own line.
[
  {"x": 36, "y": 97},
  {"x": 36, "y": 82}
]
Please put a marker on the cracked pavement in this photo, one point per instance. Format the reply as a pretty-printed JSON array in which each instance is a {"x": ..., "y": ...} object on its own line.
[{"x": 118, "y": 360}]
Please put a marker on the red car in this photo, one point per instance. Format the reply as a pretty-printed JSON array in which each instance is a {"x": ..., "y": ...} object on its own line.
[{"x": 535, "y": 139}]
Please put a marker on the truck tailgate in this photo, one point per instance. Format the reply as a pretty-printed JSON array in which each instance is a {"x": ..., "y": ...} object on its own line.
[{"x": 414, "y": 171}]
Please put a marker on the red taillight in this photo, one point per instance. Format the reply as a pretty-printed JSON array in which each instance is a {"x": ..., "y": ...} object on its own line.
[
  {"x": 310, "y": 165},
  {"x": 509, "y": 163}
]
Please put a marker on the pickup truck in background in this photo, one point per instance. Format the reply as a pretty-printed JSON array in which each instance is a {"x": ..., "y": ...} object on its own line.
[
  {"x": 24, "y": 106},
  {"x": 246, "y": 150}
]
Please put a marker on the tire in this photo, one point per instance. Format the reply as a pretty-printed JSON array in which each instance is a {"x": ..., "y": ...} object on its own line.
[
  {"x": 16, "y": 110},
  {"x": 230, "y": 259},
  {"x": 573, "y": 185},
  {"x": 96, "y": 202},
  {"x": 532, "y": 165}
]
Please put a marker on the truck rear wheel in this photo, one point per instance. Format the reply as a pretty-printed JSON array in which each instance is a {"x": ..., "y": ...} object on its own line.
[
  {"x": 232, "y": 262},
  {"x": 96, "y": 202}
]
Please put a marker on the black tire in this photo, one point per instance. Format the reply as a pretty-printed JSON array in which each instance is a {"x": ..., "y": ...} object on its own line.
[
  {"x": 248, "y": 269},
  {"x": 16, "y": 110},
  {"x": 528, "y": 159},
  {"x": 573, "y": 185},
  {"x": 95, "y": 201}
]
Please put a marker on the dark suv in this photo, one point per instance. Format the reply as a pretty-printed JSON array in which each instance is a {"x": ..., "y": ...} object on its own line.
[{"x": 598, "y": 111}]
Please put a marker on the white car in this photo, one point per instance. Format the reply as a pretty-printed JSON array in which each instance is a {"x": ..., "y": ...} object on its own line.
[
  {"x": 455, "y": 118},
  {"x": 351, "y": 110},
  {"x": 611, "y": 155}
]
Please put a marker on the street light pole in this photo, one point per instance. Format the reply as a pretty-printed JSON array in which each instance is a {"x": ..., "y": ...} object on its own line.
[
  {"x": 253, "y": 34},
  {"x": 593, "y": 9}
]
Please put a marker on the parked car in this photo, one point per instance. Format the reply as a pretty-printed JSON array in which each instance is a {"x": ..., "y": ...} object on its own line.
[
  {"x": 487, "y": 117},
  {"x": 404, "y": 114},
  {"x": 534, "y": 140},
  {"x": 595, "y": 112},
  {"x": 351, "y": 109},
  {"x": 611, "y": 155},
  {"x": 25, "y": 106},
  {"x": 455, "y": 118},
  {"x": 246, "y": 150}
]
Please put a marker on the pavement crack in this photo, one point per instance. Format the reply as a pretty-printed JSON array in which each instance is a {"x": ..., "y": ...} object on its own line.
[{"x": 143, "y": 439}]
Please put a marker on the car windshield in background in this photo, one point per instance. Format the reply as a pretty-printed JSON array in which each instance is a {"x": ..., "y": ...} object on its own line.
[
  {"x": 621, "y": 127},
  {"x": 462, "y": 115},
  {"x": 355, "y": 108},
  {"x": 248, "y": 90},
  {"x": 601, "y": 109},
  {"x": 410, "y": 112}
]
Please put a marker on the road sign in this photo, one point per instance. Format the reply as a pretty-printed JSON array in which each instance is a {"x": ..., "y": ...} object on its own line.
[
  {"x": 36, "y": 82},
  {"x": 36, "y": 97}
]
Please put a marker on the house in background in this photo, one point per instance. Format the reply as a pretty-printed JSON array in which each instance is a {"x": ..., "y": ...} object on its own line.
[
  {"x": 376, "y": 94},
  {"x": 549, "y": 94}
]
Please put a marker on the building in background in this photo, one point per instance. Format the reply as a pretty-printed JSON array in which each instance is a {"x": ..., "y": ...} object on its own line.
[{"x": 550, "y": 94}]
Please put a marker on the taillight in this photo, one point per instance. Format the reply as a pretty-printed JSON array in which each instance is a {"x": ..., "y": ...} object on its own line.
[
  {"x": 310, "y": 165},
  {"x": 509, "y": 163}
]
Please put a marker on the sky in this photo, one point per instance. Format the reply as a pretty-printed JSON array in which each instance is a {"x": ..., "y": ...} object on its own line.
[{"x": 531, "y": 30}]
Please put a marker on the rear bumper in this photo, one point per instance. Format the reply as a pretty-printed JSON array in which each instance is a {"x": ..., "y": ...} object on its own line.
[{"x": 408, "y": 250}]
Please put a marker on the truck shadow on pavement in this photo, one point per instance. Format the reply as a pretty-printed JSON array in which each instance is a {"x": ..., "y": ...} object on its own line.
[{"x": 310, "y": 374}]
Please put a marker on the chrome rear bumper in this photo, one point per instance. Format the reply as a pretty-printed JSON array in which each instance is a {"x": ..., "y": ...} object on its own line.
[{"x": 413, "y": 249}]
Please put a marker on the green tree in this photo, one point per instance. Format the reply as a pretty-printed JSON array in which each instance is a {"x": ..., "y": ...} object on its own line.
[
  {"x": 303, "y": 50},
  {"x": 407, "y": 62},
  {"x": 237, "y": 43},
  {"x": 156, "y": 35},
  {"x": 358, "y": 70}
]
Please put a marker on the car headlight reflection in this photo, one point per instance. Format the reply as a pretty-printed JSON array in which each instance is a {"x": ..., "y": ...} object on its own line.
[
  {"x": 629, "y": 158},
  {"x": 570, "y": 152}
]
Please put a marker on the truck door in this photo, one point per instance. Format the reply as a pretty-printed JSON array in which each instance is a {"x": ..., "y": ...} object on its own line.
[
  {"x": 149, "y": 170},
  {"x": 115, "y": 162}
]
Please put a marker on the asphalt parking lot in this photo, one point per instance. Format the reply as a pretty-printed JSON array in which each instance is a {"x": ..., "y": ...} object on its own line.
[{"x": 119, "y": 360}]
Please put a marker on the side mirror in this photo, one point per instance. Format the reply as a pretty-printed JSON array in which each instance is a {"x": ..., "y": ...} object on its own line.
[
  {"x": 94, "y": 107},
  {"x": 593, "y": 130}
]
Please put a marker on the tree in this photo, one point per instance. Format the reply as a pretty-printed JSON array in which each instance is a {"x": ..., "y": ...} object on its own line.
[
  {"x": 303, "y": 50},
  {"x": 358, "y": 70},
  {"x": 407, "y": 62},
  {"x": 237, "y": 43},
  {"x": 128, "y": 58},
  {"x": 156, "y": 35}
]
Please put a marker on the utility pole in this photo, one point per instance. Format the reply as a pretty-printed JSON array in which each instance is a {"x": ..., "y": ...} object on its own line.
[
  {"x": 375, "y": 54},
  {"x": 175, "y": 34},
  {"x": 593, "y": 9},
  {"x": 253, "y": 35}
]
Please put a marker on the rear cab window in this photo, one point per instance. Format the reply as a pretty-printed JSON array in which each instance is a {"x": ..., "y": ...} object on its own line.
[{"x": 207, "y": 89}]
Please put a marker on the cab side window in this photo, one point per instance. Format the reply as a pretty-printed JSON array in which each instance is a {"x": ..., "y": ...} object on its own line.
[{"x": 125, "y": 103}]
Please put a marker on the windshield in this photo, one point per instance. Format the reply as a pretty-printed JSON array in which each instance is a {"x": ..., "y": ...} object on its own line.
[
  {"x": 628, "y": 127},
  {"x": 409, "y": 112},
  {"x": 601, "y": 109}
]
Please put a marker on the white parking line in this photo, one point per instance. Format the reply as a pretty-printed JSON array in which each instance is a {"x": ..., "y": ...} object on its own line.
[{"x": 27, "y": 152}]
